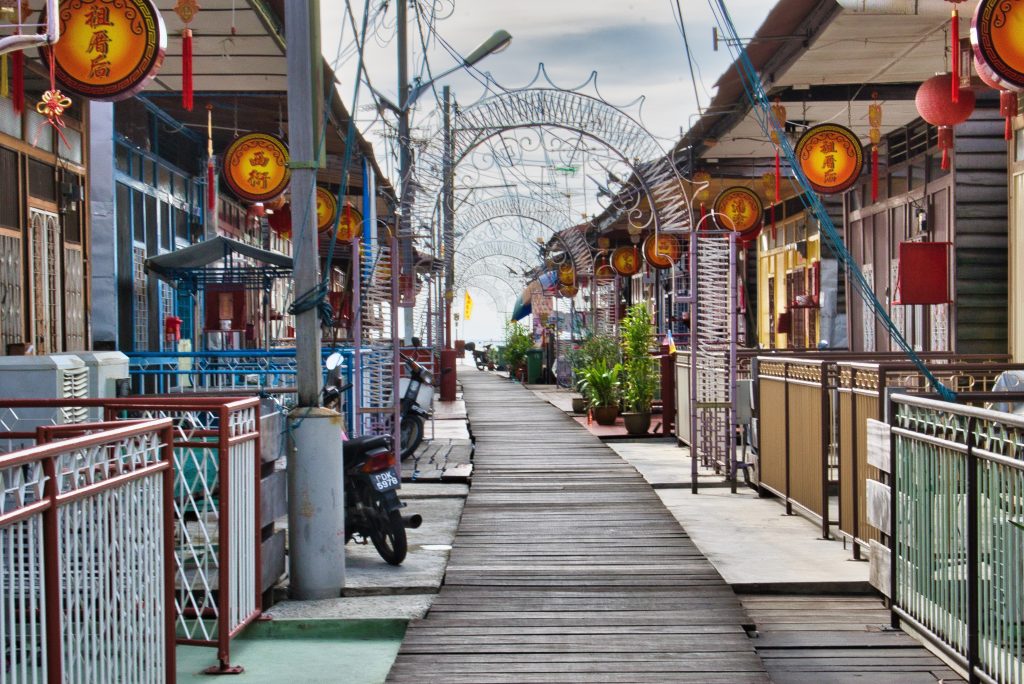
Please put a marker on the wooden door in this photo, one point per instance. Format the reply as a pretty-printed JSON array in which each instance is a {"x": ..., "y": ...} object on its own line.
[{"x": 46, "y": 296}]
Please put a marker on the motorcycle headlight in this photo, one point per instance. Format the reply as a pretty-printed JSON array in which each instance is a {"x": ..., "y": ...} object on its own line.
[{"x": 428, "y": 378}]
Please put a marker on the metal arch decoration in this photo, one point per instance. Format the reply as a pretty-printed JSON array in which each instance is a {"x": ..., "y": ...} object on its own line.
[
  {"x": 662, "y": 251},
  {"x": 531, "y": 208},
  {"x": 658, "y": 179}
]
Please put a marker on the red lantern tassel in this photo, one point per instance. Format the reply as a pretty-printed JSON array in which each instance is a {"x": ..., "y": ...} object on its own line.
[
  {"x": 1008, "y": 109},
  {"x": 211, "y": 185},
  {"x": 954, "y": 34},
  {"x": 945, "y": 144},
  {"x": 18, "y": 81},
  {"x": 778, "y": 176},
  {"x": 186, "y": 69},
  {"x": 874, "y": 174}
]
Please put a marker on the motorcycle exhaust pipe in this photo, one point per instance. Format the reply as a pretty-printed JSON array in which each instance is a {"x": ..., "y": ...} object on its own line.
[{"x": 412, "y": 521}]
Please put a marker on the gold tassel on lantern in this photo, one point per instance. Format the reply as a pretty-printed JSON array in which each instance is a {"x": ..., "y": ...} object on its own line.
[{"x": 875, "y": 121}]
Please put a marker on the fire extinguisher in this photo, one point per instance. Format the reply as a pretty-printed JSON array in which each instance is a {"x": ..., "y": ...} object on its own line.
[{"x": 172, "y": 330}]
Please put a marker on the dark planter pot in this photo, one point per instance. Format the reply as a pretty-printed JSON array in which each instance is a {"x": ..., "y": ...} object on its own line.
[
  {"x": 579, "y": 405},
  {"x": 637, "y": 423},
  {"x": 605, "y": 415}
]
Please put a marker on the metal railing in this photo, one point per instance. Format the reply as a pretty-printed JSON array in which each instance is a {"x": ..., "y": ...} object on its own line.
[
  {"x": 86, "y": 555},
  {"x": 216, "y": 505},
  {"x": 957, "y": 532}
]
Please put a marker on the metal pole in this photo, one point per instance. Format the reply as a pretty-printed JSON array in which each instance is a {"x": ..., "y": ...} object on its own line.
[
  {"x": 303, "y": 101},
  {"x": 404, "y": 256},
  {"x": 448, "y": 206},
  {"x": 316, "y": 509}
]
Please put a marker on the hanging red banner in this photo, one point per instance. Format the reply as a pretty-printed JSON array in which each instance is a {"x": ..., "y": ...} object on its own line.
[
  {"x": 256, "y": 167},
  {"x": 739, "y": 209},
  {"x": 996, "y": 32},
  {"x": 662, "y": 252},
  {"x": 108, "y": 49},
  {"x": 831, "y": 157},
  {"x": 326, "y": 209}
]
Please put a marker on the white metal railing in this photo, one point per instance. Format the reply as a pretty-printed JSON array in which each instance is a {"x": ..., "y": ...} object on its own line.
[
  {"x": 957, "y": 549},
  {"x": 85, "y": 555}
]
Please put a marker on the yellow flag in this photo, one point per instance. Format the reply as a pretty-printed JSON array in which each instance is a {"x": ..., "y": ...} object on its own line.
[{"x": 468, "y": 309}]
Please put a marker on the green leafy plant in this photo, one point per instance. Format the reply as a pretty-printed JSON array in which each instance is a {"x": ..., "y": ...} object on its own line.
[
  {"x": 594, "y": 350},
  {"x": 637, "y": 331},
  {"x": 600, "y": 384},
  {"x": 517, "y": 342}
]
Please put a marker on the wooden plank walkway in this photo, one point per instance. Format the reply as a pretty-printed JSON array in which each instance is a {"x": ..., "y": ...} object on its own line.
[
  {"x": 839, "y": 640},
  {"x": 568, "y": 568}
]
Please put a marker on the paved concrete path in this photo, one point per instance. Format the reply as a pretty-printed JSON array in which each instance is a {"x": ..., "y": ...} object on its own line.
[{"x": 567, "y": 567}]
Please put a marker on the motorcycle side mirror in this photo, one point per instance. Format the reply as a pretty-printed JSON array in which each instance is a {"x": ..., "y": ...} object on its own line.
[{"x": 333, "y": 361}]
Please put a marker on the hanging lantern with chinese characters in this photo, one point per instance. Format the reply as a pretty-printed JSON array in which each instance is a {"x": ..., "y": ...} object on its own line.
[
  {"x": 739, "y": 209},
  {"x": 935, "y": 106},
  {"x": 626, "y": 261},
  {"x": 186, "y": 11},
  {"x": 350, "y": 224},
  {"x": 326, "y": 209},
  {"x": 875, "y": 133},
  {"x": 999, "y": 54},
  {"x": 831, "y": 157},
  {"x": 256, "y": 167},
  {"x": 108, "y": 49},
  {"x": 661, "y": 251},
  {"x": 566, "y": 274}
]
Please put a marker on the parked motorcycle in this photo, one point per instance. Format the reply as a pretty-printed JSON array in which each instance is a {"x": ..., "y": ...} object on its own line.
[
  {"x": 417, "y": 392},
  {"x": 372, "y": 506},
  {"x": 482, "y": 358}
]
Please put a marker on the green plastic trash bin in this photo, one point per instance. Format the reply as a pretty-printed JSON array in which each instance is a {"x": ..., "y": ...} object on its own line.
[{"x": 534, "y": 361}]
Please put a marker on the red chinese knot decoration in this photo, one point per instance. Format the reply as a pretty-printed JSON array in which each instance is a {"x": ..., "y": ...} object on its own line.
[{"x": 935, "y": 106}]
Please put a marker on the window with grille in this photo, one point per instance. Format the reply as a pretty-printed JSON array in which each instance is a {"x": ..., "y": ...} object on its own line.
[
  {"x": 47, "y": 290},
  {"x": 867, "y": 313},
  {"x": 42, "y": 182},
  {"x": 140, "y": 296}
]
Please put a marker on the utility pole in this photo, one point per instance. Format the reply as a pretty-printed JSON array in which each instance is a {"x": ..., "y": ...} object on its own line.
[
  {"x": 405, "y": 246},
  {"x": 316, "y": 511},
  {"x": 448, "y": 205}
]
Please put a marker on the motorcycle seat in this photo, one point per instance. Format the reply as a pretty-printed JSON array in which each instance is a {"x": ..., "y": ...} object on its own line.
[{"x": 357, "y": 446}]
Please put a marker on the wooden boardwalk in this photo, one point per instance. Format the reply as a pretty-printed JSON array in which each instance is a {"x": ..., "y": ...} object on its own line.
[{"x": 568, "y": 568}]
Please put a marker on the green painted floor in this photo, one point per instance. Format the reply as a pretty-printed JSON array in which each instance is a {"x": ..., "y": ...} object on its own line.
[{"x": 352, "y": 651}]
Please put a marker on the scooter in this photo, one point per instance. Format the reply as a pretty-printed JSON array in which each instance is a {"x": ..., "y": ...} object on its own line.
[
  {"x": 372, "y": 506},
  {"x": 483, "y": 358},
  {"x": 417, "y": 394}
]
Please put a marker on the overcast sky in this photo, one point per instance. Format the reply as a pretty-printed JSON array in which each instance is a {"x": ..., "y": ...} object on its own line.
[{"x": 635, "y": 47}]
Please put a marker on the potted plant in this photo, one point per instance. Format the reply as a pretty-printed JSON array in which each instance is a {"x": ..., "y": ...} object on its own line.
[
  {"x": 600, "y": 386},
  {"x": 594, "y": 350},
  {"x": 637, "y": 330},
  {"x": 517, "y": 343}
]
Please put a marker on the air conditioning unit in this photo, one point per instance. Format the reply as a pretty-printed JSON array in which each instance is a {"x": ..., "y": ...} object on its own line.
[
  {"x": 58, "y": 376},
  {"x": 105, "y": 368}
]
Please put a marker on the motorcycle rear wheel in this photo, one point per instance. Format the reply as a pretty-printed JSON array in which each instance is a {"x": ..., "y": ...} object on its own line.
[
  {"x": 388, "y": 536},
  {"x": 412, "y": 435}
]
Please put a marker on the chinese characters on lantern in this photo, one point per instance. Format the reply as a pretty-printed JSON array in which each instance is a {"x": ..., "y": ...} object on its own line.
[{"x": 99, "y": 44}]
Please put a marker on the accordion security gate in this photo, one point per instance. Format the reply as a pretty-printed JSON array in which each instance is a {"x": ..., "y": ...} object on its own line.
[{"x": 713, "y": 353}]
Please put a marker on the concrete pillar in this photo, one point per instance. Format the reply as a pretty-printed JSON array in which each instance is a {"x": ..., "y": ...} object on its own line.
[
  {"x": 316, "y": 505},
  {"x": 103, "y": 227}
]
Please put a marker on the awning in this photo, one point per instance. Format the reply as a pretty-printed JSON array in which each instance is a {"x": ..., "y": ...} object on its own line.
[{"x": 220, "y": 260}]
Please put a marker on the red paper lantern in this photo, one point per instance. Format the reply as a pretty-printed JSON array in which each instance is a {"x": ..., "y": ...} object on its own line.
[
  {"x": 1007, "y": 98},
  {"x": 281, "y": 221},
  {"x": 936, "y": 106}
]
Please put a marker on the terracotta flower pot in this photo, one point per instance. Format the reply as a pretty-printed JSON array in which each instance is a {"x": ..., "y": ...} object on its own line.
[
  {"x": 637, "y": 423},
  {"x": 605, "y": 415}
]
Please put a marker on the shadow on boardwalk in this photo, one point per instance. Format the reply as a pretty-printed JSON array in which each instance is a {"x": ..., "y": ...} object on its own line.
[{"x": 567, "y": 567}]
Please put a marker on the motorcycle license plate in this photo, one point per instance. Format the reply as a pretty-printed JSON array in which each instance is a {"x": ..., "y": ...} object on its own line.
[{"x": 385, "y": 480}]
